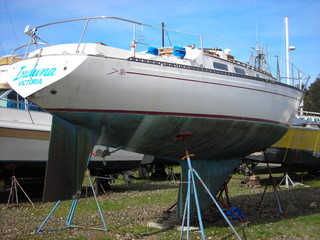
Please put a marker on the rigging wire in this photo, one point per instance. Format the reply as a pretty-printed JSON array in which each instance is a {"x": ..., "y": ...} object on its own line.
[
  {"x": 2, "y": 48},
  {"x": 14, "y": 31},
  {"x": 300, "y": 9},
  {"x": 168, "y": 38}
]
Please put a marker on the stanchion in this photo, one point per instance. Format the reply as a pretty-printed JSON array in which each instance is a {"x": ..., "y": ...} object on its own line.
[
  {"x": 192, "y": 174},
  {"x": 288, "y": 181},
  {"x": 14, "y": 193},
  {"x": 171, "y": 175},
  {"x": 274, "y": 185},
  {"x": 72, "y": 211}
]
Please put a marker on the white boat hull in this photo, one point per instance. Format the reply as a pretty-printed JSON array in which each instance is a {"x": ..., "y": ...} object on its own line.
[{"x": 228, "y": 114}]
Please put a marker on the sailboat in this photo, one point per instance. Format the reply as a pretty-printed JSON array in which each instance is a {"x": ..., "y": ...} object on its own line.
[{"x": 141, "y": 100}]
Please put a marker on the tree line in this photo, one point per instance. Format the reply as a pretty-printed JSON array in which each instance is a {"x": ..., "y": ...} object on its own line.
[{"x": 312, "y": 98}]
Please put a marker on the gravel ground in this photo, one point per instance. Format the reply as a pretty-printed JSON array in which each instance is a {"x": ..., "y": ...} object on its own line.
[
  {"x": 129, "y": 209},
  {"x": 123, "y": 217}
]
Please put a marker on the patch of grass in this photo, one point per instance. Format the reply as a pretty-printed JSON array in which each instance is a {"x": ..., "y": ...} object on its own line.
[{"x": 129, "y": 208}]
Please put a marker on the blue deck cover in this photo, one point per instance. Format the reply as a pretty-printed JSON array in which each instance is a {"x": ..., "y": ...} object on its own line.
[
  {"x": 153, "y": 51},
  {"x": 179, "y": 51}
]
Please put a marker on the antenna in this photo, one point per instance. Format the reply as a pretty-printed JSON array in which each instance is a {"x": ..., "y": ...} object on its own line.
[{"x": 256, "y": 15}]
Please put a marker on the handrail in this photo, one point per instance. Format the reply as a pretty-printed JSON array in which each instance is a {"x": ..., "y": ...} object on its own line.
[
  {"x": 32, "y": 32},
  {"x": 26, "y": 45},
  {"x": 307, "y": 113},
  {"x": 34, "y": 38},
  {"x": 89, "y": 18}
]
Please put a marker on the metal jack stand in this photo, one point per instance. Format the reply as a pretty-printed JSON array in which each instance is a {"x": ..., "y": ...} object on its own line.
[
  {"x": 73, "y": 208},
  {"x": 14, "y": 192},
  {"x": 171, "y": 175},
  {"x": 274, "y": 185},
  {"x": 192, "y": 173},
  {"x": 224, "y": 189},
  {"x": 287, "y": 180}
]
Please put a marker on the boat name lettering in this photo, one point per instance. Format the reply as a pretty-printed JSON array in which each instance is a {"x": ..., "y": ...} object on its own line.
[
  {"x": 35, "y": 72},
  {"x": 30, "y": 82}
]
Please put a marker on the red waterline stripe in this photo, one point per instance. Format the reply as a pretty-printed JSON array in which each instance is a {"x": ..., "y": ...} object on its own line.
[
  {"x": 220, "y": 84},
  {"x": 168, "y": 114}
]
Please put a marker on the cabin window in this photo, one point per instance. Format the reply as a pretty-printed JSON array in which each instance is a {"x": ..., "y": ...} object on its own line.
[
  {"x": 220, "y": 66},
  {"x": 239, "y": 70},
  {"x": 257, "y": 75}
]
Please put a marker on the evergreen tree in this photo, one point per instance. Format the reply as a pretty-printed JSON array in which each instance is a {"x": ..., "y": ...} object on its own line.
[{"x": 312, "y": 98}]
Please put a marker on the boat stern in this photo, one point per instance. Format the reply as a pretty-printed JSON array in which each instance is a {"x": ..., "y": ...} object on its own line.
[{"x": 33, "y": 74}]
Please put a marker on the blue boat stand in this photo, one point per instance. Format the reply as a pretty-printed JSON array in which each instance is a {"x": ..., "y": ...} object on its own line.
[
  {"x": 72, "y": 211},
  {"x": 192, "y": 174}
]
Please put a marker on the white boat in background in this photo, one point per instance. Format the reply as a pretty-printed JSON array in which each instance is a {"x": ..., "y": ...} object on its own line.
[
  {"x": 139, "y": 101},
  {"x": 24, "y": 138},
  {"x": 24, "y": 132}
]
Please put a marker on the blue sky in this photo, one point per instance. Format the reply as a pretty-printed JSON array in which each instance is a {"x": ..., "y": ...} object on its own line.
[{"x": 238, "y": 21}]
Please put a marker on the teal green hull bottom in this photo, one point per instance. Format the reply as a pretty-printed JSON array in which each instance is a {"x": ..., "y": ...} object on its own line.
[
  {"x": 218, "y": 143},
  {"x": 213, "y": 173}
]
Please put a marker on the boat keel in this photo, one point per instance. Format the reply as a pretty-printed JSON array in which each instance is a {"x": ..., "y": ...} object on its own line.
[
  {"x": 214, "y": 173},
  {"x": 70, "y": 146}
]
